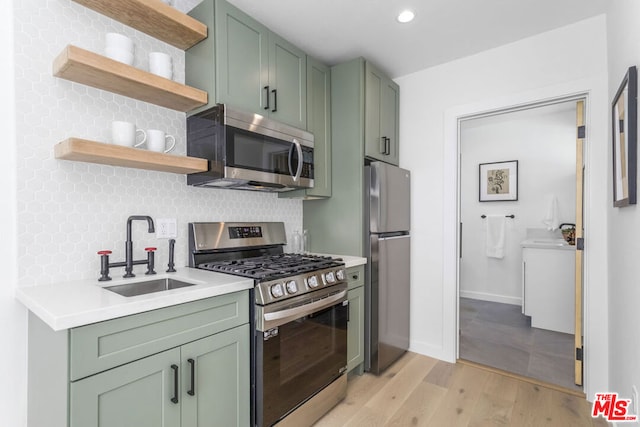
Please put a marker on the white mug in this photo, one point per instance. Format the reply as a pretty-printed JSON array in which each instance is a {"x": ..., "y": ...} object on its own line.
[
  {"x": 125, "y": 134},
  {"x": 161, "y": 64},
  {"x": 119, "y": 47},
  {"x": 119, "y": 41},
  {"x": 157, "y": 141}
]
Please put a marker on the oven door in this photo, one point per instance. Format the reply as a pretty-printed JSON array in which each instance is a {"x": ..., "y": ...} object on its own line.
[{"x": 301, "y": 349}]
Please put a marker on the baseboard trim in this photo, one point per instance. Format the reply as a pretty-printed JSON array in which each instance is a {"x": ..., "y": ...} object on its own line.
[{"x": 483, "y": 296}]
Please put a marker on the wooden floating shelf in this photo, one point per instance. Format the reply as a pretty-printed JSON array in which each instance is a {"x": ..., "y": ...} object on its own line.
[
  {"x": 82, "y": 66},
  {"x": 152, "y": 17},
  {"x": 82, "y": 150}
]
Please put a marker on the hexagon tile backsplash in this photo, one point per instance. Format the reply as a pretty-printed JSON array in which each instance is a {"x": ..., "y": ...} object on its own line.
[{"x": 67, "y": 211}]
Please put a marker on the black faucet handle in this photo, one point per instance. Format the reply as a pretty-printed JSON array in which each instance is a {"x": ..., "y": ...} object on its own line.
[
  {"x": 150, "y": 260},
  {"x": 104, "y": 265},
  {"x": 171, "y": 265}
]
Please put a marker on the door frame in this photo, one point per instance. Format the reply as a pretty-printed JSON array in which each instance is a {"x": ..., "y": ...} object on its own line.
[
  {"x": 595, "y": 328},
  {"x": 575, "y": 100}
]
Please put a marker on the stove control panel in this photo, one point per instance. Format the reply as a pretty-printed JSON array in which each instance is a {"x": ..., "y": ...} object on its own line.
[{"x": 279, "y": 290}]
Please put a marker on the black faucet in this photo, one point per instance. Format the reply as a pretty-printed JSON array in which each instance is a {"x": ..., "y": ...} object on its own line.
[{"x": 129, "y": 262}]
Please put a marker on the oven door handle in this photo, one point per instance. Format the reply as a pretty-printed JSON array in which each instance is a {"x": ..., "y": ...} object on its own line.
[{"x": 283, "y": 316}]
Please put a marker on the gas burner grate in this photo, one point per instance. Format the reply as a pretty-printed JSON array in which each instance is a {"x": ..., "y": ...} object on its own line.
[{"x": 273, "y": 266}]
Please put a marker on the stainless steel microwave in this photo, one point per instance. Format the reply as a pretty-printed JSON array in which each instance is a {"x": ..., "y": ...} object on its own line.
[{"x": 248, "y": 151}]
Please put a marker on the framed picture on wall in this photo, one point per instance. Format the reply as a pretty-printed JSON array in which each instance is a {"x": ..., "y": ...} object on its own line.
[
  {"x": 499, "y": 181},
  {"x": 623, "y": 124}
]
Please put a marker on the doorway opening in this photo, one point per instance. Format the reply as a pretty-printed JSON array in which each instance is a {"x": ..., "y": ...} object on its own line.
[{"x": 517, "y": 282}]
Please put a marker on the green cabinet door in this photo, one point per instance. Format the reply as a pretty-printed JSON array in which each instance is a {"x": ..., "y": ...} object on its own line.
[
  {"x": 287, "y": 82},
  {"x": 242, "y": 59},
  {"x": 218, "y": 392},
  {"x": 355, "y": 329},
  {"x": 374, "y": 143},
  {"x": 381, "y": 116},
  {"x": 389, "y": 119},
  {"x": 318, "y": 123},
  {"x": 137, "y": 394}
]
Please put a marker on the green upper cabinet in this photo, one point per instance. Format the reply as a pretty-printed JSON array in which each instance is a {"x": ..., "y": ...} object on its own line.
[
  {"x": 242, "y": 59},
  {"x": 382, "y": 97},
  {"x": 318, "y": 123},
  {"x": 247, "y": 66},
  {"x": 287, "y": 82}
]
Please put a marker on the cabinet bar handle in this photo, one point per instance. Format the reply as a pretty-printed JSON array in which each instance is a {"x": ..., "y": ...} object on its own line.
[
  {"x": 383, "y": 141},
  {"x": 192, "y": 391},
  {"x": 387, "y": 145},
  {"x": 174, "y": 399},
  {"x": 275, "y": 100},
  {"x": 266, "y": 92}
]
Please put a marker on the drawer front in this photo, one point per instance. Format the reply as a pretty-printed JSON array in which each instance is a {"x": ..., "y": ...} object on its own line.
[
  {"x": 101, "y": 346},
  {"x": 355, "y": 276}
]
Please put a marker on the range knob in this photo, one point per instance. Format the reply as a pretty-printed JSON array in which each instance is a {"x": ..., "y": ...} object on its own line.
[
  {"x": 276, "y": 290},
  {"x": 312, "y": 281},
  {"x": 329, "y": 277},
  {"x": 292, "y": 287},
  {"x": 340, "y": 275}
]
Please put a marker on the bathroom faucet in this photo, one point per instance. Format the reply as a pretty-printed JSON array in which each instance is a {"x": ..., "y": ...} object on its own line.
[{"x": 129, "y": 262}]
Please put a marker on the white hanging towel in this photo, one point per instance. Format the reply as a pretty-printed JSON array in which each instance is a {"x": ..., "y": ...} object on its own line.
[
  {"x": 495, "y": 236},
  {"x": 551, "y": 217}
]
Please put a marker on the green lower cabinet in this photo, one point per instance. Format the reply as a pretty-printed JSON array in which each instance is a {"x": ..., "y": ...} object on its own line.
[
  {"x": 355, "y": 330},
  {"x": 212, "y": 387},
  {"x": 137, "y": 394},
  {"x": 220, "y": 383}
]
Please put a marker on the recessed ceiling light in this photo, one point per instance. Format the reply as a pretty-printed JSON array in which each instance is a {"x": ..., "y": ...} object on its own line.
[{"x": 406, "y": 16}]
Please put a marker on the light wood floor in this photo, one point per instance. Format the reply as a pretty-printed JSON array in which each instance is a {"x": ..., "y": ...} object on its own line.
[{"x": 421, "y": 391}]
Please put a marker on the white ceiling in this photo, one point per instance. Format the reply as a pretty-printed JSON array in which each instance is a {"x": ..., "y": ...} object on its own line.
[{"x": 334, "y": 31}]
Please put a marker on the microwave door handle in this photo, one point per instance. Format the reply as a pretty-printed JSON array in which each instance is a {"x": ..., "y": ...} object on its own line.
[{"x": 300, "y": 160}]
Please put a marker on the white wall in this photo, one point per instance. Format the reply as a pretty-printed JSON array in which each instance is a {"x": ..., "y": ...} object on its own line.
[
  {"x": 543, "y": 141},
  {"x": 624, "y": 223},
  {"x": 13, "y": 316},
  {"x": 571, "y": 60}
]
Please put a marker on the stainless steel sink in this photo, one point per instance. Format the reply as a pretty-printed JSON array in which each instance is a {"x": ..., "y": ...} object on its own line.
[{"x": 150, "y": 286}]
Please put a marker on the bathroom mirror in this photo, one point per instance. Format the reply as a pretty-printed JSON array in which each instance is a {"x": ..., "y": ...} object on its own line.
[{"x": 624, "y": 126}]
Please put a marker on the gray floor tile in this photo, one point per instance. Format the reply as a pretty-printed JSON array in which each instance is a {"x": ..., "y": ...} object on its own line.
[{"x": 499, "y": 335}]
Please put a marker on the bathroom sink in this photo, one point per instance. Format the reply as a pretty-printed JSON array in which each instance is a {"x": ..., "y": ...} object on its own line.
[{"x": 150, "y": 286}]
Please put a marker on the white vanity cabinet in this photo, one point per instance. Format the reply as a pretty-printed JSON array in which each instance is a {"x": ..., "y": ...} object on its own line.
[{"x": 548, "y": 277}]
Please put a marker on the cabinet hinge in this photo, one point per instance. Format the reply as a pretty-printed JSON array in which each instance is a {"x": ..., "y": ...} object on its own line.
[
  {"x": 579, "y": 353},
  {"x": 580, "y": 244},
  {"x": 582, "y": 130}
]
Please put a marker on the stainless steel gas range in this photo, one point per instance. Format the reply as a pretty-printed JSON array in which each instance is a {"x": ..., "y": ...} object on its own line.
[{"x": 299, "y": 315}]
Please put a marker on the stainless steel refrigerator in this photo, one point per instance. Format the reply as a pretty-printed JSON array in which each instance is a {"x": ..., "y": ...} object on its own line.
[{"x": 387, "y": 206}]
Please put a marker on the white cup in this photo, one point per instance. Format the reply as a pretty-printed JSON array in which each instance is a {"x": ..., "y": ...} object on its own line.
[
  {"x": 157, "y": 141},
  {"x": 125, "y": 134},
  {"x": 115, "y": 40},
  {"x": 161, "y": 64},
  {"x": 119, "y": 55}
]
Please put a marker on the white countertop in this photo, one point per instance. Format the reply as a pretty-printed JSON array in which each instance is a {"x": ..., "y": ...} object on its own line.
[
  {"x": 542, "y": 243},
  {"x": 349, "y": 261},
  {"x": 72, "y": 304}
]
